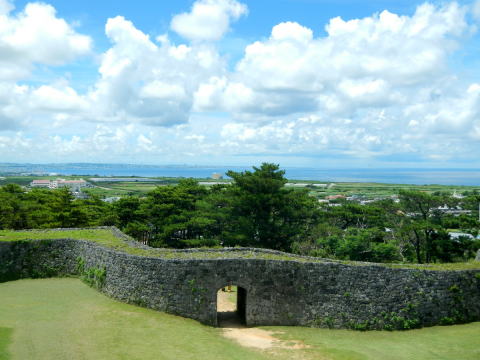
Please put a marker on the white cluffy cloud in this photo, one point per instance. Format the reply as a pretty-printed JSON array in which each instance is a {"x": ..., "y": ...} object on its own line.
[
  {"x": 146, "y": 81},
  {"x": 30, "y": 37},
  {"x": 382, "y": 84},
  {"x": 208, "y": 20},
  {"x": 378, "y": 87},
  {"x": 36, "y": 36},
  {"x": 374, "y": 61}
]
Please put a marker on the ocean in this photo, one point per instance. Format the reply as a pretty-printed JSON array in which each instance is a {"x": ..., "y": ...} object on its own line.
[{"x": 390, "y": 176}]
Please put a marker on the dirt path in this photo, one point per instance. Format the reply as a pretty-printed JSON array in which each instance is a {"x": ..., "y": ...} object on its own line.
[
  {"x": 249, "y": 337},
  {"x": 224, "y": 302},
  {"x": 260, "y": 339}
]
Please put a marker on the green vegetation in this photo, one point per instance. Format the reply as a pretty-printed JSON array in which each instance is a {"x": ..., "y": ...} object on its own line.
[
  {"x": 94, "y": 276},
  {"x": 258, "y": 210},
  {"x": 380, "y": 190},
  {"x": 265, "y": 212},
  {"x": 64, "y": 319},
  {"x": 43, "y": 208},
  {"x": 127, "y": 188},
  {"x": 102, "y": 236},
  {"x": 106, "y": 238},
  {"x": 5, "y": 340},
  {"x": 231, "y": 295},
  {"x": 440, "y": 342},
  {"x": 412, "y": 230}
]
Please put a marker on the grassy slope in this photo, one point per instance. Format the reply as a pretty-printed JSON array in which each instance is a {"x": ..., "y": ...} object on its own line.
[
  {"x": 64, "y": 319},
  {"x": 98, "y": 235},
  {"x": 435, "y": 343},
  {"x": 5, "y": 339}
]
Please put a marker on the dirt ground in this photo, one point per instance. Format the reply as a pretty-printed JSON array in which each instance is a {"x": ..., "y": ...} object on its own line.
[{"x": 245, "y": 336}]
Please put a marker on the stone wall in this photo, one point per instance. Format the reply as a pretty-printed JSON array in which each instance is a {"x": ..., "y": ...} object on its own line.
[{"x": 278, "y": 292}]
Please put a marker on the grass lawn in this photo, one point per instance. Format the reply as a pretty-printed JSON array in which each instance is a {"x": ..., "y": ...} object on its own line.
[
  {"x": 65, "y": 319},
  {"x": 99, "y": 235},
  {"x": 5, "y": 339},
  {"x": 453, "y": 342}
]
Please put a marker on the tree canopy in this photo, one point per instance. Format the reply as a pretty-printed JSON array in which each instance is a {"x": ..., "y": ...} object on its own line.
[{"x": 258, "y": 210}]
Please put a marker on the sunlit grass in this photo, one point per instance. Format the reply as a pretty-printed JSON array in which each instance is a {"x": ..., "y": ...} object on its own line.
[
  {"x": 98, "y": 235},
  {"x": 65, "y": 319}
]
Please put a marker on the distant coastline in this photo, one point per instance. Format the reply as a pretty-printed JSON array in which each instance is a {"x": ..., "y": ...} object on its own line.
[{"x": 414, "y": 176}]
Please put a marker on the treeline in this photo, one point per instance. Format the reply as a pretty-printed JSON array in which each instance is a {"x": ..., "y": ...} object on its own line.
[{"x": 257, "y": 210}]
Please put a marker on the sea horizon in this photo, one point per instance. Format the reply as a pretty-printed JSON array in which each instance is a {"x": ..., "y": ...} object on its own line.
[{"x": 414, "y": 176}]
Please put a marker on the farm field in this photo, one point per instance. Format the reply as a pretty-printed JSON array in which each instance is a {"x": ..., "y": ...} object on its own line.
[
  {"x": 372, "y": 190},
  {"x": 65, "y": 319},
  {"x": 139, "y": 188},
  {"x": 122, "y": 188}
]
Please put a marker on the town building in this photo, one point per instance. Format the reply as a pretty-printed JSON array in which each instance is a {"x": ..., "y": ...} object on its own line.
[
  {"x": 73, "y": 185},
  {"x": 40, "y": 184},
  {"x": 216, "y": 176}
]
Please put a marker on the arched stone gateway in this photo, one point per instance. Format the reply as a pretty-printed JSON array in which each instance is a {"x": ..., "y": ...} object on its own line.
[{"x": 295, "y": 291}]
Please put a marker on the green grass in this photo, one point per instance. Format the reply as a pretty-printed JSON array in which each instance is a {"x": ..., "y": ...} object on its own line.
[
  {"x": 441, "y": 342},
  {"x": 232, "y": 296},
  {"x": 5, "y": 340},
  {"x": 106, "y": 238},
  {"x": 106, "y": 189},
  {"x": 97, "y": 235},
  {"x": 65, "y": 319}
]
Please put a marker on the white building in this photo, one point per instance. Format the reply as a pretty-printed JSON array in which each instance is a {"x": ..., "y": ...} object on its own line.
[
  {"x": 40, "y": 184},
  {"x": 73, "y": 185}
]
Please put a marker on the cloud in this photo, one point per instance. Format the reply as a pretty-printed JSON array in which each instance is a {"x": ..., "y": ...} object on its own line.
[
  {"x": 60, "y": 98},
  {"x": 208, "y": 20},
  {"x": 149, "y": 82},
  {"x": 5, "y": 7},
  {"x": 374, "y": 61},
  {"x": 36, "y": 36},
  {"x": 476, "y": 10},
  {"x": 370, "y": 88}
]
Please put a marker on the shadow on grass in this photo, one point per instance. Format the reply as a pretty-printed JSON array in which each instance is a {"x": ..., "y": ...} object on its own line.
[{"x": 5, "y": 339}]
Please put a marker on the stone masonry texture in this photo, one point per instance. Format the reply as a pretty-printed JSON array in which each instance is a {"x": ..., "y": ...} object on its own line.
[{"x": 278, "y": 292}]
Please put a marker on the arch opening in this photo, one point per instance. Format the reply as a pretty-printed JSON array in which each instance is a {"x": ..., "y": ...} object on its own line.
[{"x": 231, "y": 306}]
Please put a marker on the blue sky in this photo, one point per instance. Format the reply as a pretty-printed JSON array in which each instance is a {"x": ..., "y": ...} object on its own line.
[{"x": 298, "y": 82}]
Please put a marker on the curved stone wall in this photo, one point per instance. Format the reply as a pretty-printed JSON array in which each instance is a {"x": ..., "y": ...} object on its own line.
[{"x": 278, "y": 292}]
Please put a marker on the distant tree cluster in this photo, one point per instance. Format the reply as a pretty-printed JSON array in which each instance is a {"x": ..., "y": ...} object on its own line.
[
  {"x": 257, "y": 210},
  {"x": 412, "y": 230},
  {"x": 42, "y": 208}
]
